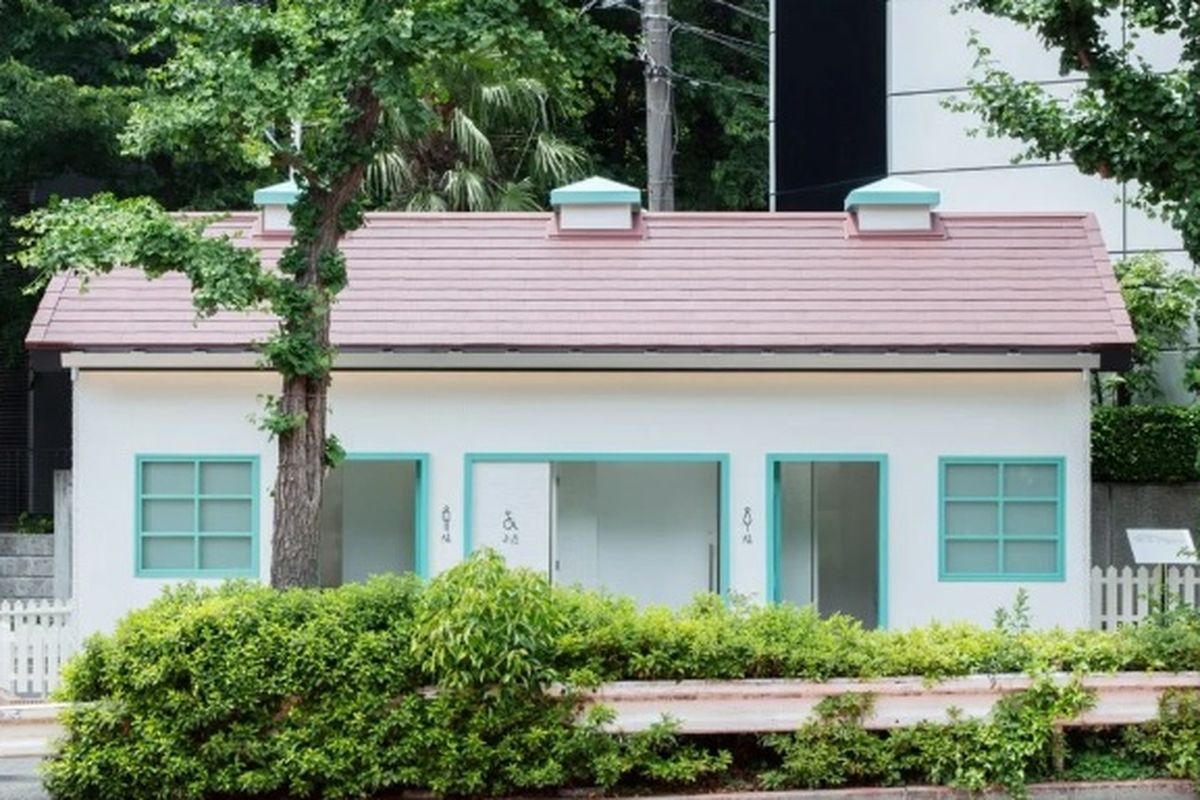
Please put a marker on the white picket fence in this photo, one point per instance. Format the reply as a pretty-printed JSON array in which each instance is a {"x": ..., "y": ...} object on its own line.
[
  {"x": 36, "y": 638},
  {"x": 1125, "y": 595}
]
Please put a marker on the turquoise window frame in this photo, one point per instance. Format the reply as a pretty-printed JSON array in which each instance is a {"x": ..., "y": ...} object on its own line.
[
  {"x": 196, "y": 459},
  {"x": 720, "y": 459},
  {"x": 774, "y": 516},
  {"x": 1000, "y": 462},
  {"x": 421, "y": 502}
]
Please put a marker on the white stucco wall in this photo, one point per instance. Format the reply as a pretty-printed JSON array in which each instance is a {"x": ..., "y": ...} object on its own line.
[{"x": 913, "y": 418}]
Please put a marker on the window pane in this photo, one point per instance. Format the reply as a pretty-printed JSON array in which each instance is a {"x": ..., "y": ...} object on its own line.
[
  {"x": 1031, "y": 519},
  {"x": 225, "y": 552},
  {"x": 168, "y": 516},
  {"x": 168, "y": 477},
  {"x": 971, "y": 519},
  {"x": 176, "y": 552},
  {"x": 225, "y": 477},
  {"x": 1031, "y": 557},
  {"x": 228, "y": 516},
  {"x": 972, "y": 480},
  {"x": 1031, "y": 480},
  {"x": 963, "y": 557}
]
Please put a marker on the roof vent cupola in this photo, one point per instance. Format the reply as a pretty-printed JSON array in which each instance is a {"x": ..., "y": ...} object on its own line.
[
  {"x": 893, "y": 205},
  {"x": 276, "y": 202},
  {"x": 596, "y": 204}
]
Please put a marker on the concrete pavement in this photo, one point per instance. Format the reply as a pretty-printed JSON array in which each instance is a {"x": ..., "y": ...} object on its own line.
[
  {"x": 28, "y": 730},
  {"x": 19, "y": 780},
  {"x": 1111, "y": 790}
]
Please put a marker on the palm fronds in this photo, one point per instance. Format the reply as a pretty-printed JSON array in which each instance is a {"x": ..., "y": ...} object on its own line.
[{"x": 491, "y": 146}]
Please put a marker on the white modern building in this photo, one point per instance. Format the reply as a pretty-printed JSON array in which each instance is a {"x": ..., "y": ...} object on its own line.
[
  {"x": 929, "y": 61},
  {"x": 897, "y": 62}
]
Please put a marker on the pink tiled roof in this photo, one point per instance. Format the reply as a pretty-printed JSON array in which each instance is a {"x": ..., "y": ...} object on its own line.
[{"x": 696, "y": 282}]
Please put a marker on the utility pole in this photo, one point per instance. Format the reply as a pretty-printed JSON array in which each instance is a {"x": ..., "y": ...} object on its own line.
[{"x": 660, "y": 103}]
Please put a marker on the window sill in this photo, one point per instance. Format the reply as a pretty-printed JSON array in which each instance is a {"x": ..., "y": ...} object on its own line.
[
  {"x": 1033, "y": 578},
  {"x": 198, "y": 575}
]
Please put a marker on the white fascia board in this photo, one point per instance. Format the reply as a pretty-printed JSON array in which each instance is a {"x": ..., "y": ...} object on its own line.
[{"x": 633, "y": 361}]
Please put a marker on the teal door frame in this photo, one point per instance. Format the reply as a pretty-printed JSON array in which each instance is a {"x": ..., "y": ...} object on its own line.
[
  {"x": 720, "y": 459},
  {"x": 774, "y": 460},
  {"x": 421, "y": 502}
]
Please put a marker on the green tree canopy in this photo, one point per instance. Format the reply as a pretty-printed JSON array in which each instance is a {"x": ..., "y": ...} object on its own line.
[
  {"x": 1129, "y": 121},
  {"x": 1164, "y": 306},
  {"x": 55, "y": 117},
  {"x": 67, "y": 79},
  {"x": 234, "y": 80}
]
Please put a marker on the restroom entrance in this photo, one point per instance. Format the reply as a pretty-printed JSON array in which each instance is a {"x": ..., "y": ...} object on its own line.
[
  {"x": 647, "y": 527},
  {"x": 371, "y": 519},
  {"x": 828, "y": 534}
]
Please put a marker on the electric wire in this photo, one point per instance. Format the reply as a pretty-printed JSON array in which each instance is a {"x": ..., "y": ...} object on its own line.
[{"x": 741, "y": 10}]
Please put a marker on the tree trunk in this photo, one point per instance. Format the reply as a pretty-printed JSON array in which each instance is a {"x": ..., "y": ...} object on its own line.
[
  {"x": 298, "y": 487},
  {"x": 300, "y": 480},
  {"x": 295, "y": 543}
]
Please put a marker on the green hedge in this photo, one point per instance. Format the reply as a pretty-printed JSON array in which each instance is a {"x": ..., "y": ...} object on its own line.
[
  {"x": 243, "y": 691},
  {"x": 1145, "y": 444}
]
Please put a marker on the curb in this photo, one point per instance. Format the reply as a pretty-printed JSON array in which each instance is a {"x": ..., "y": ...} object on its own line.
[
  {"x": 1159, "y": 789},
  {"x": 28, "y": 730},
  {"x": 31, "y": 713}
]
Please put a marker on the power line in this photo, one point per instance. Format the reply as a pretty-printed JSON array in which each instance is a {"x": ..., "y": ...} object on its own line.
[
  {"x": 740, "y": 10},
  {"x": 742, "y": 46},
  {"x": 688, "y": 79},
  {"x": 812, "y": 187},
  {"x": 722, "y": 37},
  {"x": 745, "y": 47}
]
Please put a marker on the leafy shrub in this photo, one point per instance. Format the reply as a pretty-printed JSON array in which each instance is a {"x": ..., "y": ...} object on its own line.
[
  {"x": 1145, "y": 444},
  {"x": 245, "y": 691},
  {"x": 1172, "y": 740},
  {"x": 607, "y": 639},
  {"x": 1104, "y": 756},
  {"x": 833, "y": 750},
  {"x": 497, "y": 628},
  {"x": 34, "y": 523},
  {"x": 1164, "y": 306},
  {"x": 1021, "y": 739},
  {"x": 470, "y": 685}
]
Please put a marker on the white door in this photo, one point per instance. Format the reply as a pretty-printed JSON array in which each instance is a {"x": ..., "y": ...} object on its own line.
[{"x": 510, "y": 512}]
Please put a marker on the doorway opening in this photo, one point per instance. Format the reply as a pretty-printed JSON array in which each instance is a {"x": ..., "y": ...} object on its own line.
[
  {"x": 371, "y": 519},
  {"x": 828, "y": 535},
  {"x": 649, "y": 527}
]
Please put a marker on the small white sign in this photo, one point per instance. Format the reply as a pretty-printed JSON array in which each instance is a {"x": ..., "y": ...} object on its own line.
[{"x": 1162, "y": 545}]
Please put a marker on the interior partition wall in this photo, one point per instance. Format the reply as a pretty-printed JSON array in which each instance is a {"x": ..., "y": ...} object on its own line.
[
  {"x": 650, "y": 526},
  {"x": 373, "y": 518},
  {"x": 828, "y": 529}
]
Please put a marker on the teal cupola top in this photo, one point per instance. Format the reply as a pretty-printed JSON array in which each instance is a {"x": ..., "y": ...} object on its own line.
[
  {"x": 276, "y": 201},
  {"x": 596, "y": 204},
  {"x": 893, "y": 204}
]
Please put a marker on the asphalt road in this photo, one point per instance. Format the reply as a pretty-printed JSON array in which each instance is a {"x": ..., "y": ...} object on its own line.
[{"x": 19, "y": 780}]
